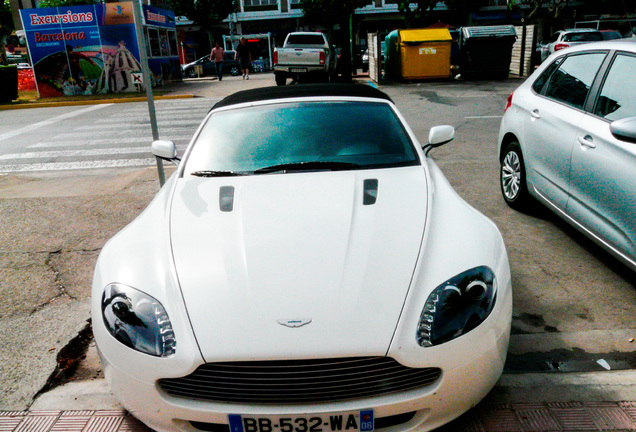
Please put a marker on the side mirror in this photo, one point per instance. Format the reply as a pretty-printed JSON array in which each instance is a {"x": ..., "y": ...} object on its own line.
[
  {"x": 166, "y": 150},
  {"x": 624, "y": 129},
  {"x": 439, "y": 135}
]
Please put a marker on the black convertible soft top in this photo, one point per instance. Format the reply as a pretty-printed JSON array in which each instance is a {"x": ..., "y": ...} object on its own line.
[{"x": 302, "y": 90}]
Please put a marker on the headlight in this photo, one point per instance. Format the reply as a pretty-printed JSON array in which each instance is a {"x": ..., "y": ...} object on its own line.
[
  {"x": 138, "y": 320},
  {"x": 457, "y": 306}
]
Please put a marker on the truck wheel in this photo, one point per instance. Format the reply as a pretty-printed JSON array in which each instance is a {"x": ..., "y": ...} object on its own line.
[{"x": 281, "y": 79}]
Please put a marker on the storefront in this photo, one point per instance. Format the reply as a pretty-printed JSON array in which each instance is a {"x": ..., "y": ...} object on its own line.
[{"x": 93, "y": 49}]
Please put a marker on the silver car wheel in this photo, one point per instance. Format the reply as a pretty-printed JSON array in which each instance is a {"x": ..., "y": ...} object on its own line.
[{"x": 511, "y": 175}]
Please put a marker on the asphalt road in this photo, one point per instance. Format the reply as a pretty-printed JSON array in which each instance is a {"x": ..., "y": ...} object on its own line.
[{"x": 71, "y": 177}]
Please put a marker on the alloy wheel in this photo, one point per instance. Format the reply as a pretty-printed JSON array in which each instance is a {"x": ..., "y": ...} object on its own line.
[{"x": 511, "y": 175}]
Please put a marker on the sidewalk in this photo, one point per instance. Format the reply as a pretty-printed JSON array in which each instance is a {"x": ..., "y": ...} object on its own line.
[
  {"x": 180, "y": 90},
  {"x": 492, "y": 415},
  {"x": 576, "y": 402}
]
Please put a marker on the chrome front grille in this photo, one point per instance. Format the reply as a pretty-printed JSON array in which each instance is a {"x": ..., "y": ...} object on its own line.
[{"x": 299, "y": 381}]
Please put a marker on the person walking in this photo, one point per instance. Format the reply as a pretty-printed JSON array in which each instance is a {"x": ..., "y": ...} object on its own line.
[
  {"x": 244, "y": 56},
  {"x": 217, "y": 57}
]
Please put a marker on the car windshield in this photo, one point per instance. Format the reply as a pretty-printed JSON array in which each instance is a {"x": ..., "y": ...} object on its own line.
[
  {"x": 305, "y": 39},
  {"x": 301, "y": 136},
  {"x": 583, "y": 37}
]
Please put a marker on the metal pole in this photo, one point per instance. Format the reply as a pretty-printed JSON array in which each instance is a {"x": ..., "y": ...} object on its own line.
[{"x": 145, "y": 69}]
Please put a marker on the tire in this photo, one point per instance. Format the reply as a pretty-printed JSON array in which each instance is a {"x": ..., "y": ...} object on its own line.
[
  {"x": 512, "y": 177},
  {"x": 281, "y": 79},
  {"x": 191, "y": 73},
  {"x": 235, "y": 71}
]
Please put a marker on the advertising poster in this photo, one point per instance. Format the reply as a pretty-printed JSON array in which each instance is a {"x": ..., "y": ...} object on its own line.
[{"x": 84, "y": 50}]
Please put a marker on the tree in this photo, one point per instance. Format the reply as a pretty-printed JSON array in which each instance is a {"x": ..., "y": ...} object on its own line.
[
  {"x": 205, "y": 13},
  {"x": 549, "y": 8},
  {"x": 59, "y": 3},
  {"x": 416, "y": 17},
  {"x": 329, "y": 13},
  {"x": 463, "y": 9},
  {"x": 6, "y": 27}
]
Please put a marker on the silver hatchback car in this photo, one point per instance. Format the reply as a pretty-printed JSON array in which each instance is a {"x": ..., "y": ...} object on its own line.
[{"x": 568, "y": 140}]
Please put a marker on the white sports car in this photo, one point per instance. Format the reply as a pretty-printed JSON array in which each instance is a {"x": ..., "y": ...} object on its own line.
[{"x": 307, "y": 268}]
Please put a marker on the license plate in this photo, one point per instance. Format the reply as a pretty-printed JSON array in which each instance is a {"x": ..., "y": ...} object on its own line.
[
  {"x": 299, "y": 70},
  {"x": 357, "y": 421}
]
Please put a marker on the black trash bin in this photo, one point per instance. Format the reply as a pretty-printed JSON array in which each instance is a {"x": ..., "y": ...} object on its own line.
[
  {"x": 485, "y": 52},
  {"x": 8, "y": 83}
]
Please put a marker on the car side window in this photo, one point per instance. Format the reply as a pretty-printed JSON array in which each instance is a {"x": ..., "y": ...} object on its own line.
[
  {"x": 617, "y": 98},
  {"x": 545, "y": 76},
  {"x": 571, "y": 82}
]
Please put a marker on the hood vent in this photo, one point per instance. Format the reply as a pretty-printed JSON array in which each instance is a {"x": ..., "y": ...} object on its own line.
[
  {"x": 370, "y": 191},
  {"x": 226, "y": 198}
]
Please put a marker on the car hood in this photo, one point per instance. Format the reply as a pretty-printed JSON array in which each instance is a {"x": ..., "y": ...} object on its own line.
[{"x": 299, "y": 267}]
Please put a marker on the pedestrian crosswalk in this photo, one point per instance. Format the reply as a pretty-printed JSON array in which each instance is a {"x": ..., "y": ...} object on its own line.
[{"x": 113, "y": 136}]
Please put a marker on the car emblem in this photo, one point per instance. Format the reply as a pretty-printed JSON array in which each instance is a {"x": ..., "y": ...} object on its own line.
[{"x": 298, "y": 322}]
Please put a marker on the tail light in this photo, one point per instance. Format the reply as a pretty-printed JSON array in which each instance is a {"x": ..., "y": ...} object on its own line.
[
  {"x": 508, "y": 102},
  {"x": 275, "y": 57},
  {"x": 323, "y": 57},
  {"x": 560, "y": 46}
]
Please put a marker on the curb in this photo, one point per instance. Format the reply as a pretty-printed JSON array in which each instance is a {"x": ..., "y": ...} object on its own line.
[{"x": 91, "y": 102}]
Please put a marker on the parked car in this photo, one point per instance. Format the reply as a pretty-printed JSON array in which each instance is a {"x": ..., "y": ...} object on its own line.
[
  {"x": 568, "y": 140},
  {"x": 306, "y": 266},
  {"x": 230, "y": 66},
  {"x": 567, "y": 38}
]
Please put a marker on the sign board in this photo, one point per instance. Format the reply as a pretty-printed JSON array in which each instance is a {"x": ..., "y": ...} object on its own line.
[{"x": 91, "y": 49}]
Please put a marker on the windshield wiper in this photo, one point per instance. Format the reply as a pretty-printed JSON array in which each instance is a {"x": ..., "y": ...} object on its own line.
[
  {"x": 215, "y": 173},
  {"x": 308, "y": 166}
]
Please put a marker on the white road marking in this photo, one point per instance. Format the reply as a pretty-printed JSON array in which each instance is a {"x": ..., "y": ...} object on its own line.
[
  {"x": 103, "y": 126},
  {"x": 102, "y": 141},
  {"x": 75, "y": 153},
  {"x": 50, "y": 121},
  {"x": 59, "y": 166},
  {"x": 484, "y": 117}
]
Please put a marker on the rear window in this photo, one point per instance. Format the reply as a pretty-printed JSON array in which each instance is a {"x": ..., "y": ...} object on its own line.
[
  {"x": 305, "y": 39},
  {"x": 583, "y": 37},
  {"x": 610, "y": 35},
  {"x": 361, "y": 134}
]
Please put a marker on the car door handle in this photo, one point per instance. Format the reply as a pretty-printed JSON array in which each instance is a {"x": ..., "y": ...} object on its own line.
[
  {"x": 586, "y": 141},
  {"x": 535, "y": 113}
]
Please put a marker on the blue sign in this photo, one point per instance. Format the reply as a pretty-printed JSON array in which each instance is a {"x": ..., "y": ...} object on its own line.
[{"x": 89, "y": 49}]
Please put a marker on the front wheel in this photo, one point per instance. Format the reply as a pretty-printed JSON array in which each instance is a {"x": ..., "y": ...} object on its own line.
[
  {"x": 191, "y": 73},
  {"x": 235, "y": 71},
  {"x": 513, "y": 177}
]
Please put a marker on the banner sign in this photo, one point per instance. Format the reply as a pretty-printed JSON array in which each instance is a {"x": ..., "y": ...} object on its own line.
[
  {"x": 153, "y": 16},
  {"x": 88, "y": 49}
]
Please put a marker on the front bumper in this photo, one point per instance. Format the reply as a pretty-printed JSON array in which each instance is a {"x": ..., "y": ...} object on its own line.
[{"x": 457, "y": 390}]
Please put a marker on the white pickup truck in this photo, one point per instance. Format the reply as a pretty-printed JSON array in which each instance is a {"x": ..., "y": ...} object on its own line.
[{"x": 304, "y": 54}]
